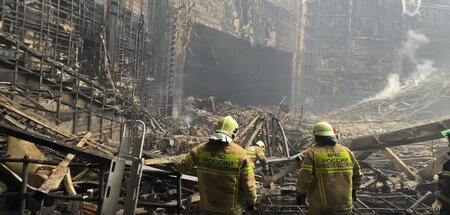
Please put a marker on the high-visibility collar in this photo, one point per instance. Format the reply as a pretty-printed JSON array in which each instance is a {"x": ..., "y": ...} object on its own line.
[{"x": 221, "y": 137}]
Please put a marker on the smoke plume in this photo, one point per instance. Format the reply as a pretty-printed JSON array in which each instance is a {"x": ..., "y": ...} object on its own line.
[{"x": 421, "y": 69}]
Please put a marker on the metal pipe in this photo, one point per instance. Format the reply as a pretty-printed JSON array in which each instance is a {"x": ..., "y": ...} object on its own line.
[
  {"x": 6, "y": 159},
  {"x": 178, "y": 194},
  {"x": 156, "y": 205},
  {"x": 51, "y": 196},
  {"x": 101, "y": 190},
  {"x": 23, "y": 188},
  {"x": 413, "y": 207}
]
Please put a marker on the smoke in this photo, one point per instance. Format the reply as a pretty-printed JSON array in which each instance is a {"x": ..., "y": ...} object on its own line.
[
  {"x": 424, "y": 71},
  {"x": 392, "y": 87},
  {"x": 188, "y": 107},
  {"x": 413, "y": 42},
  {"x": 418, "y": 70},
  {"x": 188, "y": 118}
]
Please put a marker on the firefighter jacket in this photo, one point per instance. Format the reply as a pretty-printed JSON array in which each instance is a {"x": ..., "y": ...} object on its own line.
[
  {"x": 225, "y": 177},
  {"x": 255, "y": 153},
  {"x": 327, "y": 176},
  {"x": 444, "y": 188}
]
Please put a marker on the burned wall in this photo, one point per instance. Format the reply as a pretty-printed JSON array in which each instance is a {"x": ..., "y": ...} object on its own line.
[
  {"x": 266, "y": 22},
  {"x": 229, "y": 68},
  {"x": 351, "y": 47},
  {"x": 89, "y": 63}
]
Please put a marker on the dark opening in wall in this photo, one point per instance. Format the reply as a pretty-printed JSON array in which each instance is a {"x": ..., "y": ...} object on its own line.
[{"x": 229, "y": 68}]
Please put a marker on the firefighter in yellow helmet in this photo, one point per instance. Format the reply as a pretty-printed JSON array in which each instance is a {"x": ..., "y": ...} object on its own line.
[
  {"x": 225, "y": 175},
  {"x": 255, "y": 153},
  {"x": 329, "y": 175}
]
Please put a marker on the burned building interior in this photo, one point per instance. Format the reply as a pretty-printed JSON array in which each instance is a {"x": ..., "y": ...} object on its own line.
[{"x": 100, "y": 98}]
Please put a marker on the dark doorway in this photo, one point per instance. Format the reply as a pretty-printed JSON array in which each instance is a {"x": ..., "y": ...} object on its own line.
[{"x": 229, "y": 68}]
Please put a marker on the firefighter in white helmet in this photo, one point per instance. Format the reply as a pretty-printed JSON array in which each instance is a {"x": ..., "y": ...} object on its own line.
[{"x": 256, "y": 153}]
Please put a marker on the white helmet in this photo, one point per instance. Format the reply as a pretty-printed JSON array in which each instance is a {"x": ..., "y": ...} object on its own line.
[{"x": 261, "y": 145}]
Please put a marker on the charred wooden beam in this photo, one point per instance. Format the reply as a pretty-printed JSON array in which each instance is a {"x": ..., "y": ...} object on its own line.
[
  {"x": 15, "y": 107},
  {"x": 54, "y": 144},
  {"x": 255, "y": 132},
  {"x": 284, "y": 172},
  {"x": 241, "y": 134},
  {"x": 411, "y": 135},
  {"x": 61, "y": 170},
  {"x": 164, "y": 160},
  {"x": 400, "y": 164}
]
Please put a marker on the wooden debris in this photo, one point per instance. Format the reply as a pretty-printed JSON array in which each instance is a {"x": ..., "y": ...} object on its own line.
[
  {"x": 252, "y": 137},
  {"x": 68, "y": 184},
  {"x": 15, "y": 107},
  {"x": 430, "y": 131},
  {"x": 18, "y": 148},
  {"x": 213, "y": 104},
  {"x": 400, "y": 164},
  {"x": 242, "y": 132},
  {"x": 61, "y": 170},
  {"x": 283, "y": 172},
  {"x": 164, "y": 160}
]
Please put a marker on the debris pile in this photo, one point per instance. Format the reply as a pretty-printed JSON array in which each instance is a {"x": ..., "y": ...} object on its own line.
[{"x": 168, "y": 139}]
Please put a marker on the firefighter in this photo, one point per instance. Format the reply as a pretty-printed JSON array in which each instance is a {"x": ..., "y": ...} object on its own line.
[
  {"x": 329, "y": 175},
  {"x": 442, "y": 203},
  {"x": 225, "y": 175},
  {"x": 256, "y": 153}
]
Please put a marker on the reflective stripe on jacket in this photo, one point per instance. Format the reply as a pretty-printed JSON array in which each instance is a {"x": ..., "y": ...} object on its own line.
[
  {"x": 328, "y": 175},
  {"x": 225, "y": 177}
]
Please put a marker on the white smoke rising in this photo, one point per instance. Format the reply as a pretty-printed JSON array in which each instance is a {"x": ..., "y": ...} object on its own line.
[
  {"x": 392, "y": 87},
  {"x": 424, "y": 69},
  {"x": 413, "y": 42},
  {"x": 188, "y": 119}
]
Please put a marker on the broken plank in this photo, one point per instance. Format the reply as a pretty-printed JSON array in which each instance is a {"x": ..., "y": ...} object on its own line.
[
  {"x": 284, "y": 172},
  {"x": 164, "y": 160},
  {"x": 68, "y": 184},
  {"x": 15, "y": 107},
  {"x": 58, "y": 174},
  {"x": 40, "y": 139},
  {"x": 213, "y": 104},
  {"x": 252, "y": 137},
  {"x": 12, "y": 106},
  {"x": 400, "y": 164},
  {"x": 421, "y": 133},
  {"x": 241, "y": 134}
]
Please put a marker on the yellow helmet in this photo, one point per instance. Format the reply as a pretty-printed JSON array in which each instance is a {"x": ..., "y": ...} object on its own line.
[
  {"x": 323, "y": 129},
  {"x": 227, "y": 125}
]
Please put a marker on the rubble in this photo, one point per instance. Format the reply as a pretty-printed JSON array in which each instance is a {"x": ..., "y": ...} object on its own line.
[
  {"x": 284, "y": 168},
  {"x": 257, "y": 123}
]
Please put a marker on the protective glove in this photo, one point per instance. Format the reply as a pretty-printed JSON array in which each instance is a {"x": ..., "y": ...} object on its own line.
[
  {"x": 250, "y": 208},
  {"x": 436, "y": 206},
  {"x": 354, "y": 194},
  {"x": 301, "y": 197},
  {"x": 265, "y": 170}
]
